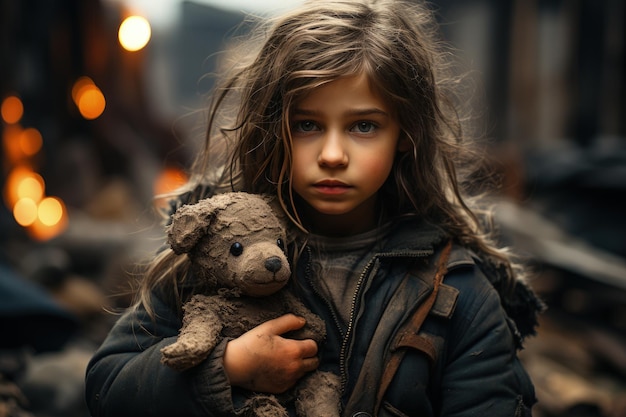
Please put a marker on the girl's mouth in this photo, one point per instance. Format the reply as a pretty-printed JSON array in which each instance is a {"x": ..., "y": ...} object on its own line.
[{"x": 331, "y": 187}]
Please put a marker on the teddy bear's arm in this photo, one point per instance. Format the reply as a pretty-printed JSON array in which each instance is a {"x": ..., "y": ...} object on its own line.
[
  {"x": 318, "y": 394},
  {"x": 198, "y": 336}
]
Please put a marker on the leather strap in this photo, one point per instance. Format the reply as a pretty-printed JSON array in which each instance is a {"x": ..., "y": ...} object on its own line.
[
  {"x": 418, "y": 289},
  {"x": 407, "y": 336}
]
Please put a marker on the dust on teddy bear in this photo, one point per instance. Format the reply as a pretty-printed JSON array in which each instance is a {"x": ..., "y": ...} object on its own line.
[{"x": 235, "y": 243}]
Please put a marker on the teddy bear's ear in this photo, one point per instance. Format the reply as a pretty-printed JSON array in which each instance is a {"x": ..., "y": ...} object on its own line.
[
  {"x": 190, "y": 223},
  {"x": 278, "y": 211}
]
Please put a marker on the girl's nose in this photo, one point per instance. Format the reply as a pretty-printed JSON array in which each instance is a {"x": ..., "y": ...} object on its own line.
[{"x": 333, "y": 153}]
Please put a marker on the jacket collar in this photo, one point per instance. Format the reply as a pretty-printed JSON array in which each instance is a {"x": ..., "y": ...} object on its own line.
[{"x": 412, "y": 235}]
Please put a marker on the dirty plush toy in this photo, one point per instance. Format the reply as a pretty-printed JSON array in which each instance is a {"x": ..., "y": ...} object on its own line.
[{"x": 235, "y": 244}]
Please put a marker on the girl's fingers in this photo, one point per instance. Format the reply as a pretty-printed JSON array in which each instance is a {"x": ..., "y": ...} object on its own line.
[
  {"x": 284, "y": 324},
  {"x": 289, "y": 322},
  {"x": 310, "y": 364},
  {"x": 263, "y": 360}
]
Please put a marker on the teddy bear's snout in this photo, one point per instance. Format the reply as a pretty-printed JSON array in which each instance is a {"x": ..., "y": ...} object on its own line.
[{"x": 273, "y": 264}]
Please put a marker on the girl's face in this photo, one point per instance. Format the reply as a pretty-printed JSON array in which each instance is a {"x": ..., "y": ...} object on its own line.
[{"x": 345, "y": 138}]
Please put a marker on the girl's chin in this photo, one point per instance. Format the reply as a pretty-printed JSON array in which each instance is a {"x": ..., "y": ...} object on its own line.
[
  {"x": 331, "y": 211},
  {"x": 340, "y": 223}
]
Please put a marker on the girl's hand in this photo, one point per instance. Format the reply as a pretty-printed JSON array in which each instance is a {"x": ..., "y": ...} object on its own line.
[{"x": 261, "y": 360}]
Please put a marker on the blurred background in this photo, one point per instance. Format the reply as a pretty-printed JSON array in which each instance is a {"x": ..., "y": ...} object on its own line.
[{"x": 102, "y": 109}]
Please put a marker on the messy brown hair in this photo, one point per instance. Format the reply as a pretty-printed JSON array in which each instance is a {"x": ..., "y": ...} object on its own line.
[{"x": 396, "y": 45}]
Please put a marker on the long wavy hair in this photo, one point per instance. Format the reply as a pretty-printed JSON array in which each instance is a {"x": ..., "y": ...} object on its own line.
[{"x": 396, "y": 44}]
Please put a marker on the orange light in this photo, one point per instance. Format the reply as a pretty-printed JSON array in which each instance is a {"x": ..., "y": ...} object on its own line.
[
  {"x": 79, "y": 86},
  {"x": 25, "y": 212},
  {"x": 43, "y": 217},
  {"x": 13, "y": 185},
  {"x": 169, "y": 180},
  {"x": 12, "y": 109},
  {"x": 88, "y": 98},
  {"x": 50, "y": 211},
  {"x": 40, "y": 231},
  {"x": 31, "y": 187},
  {"x": 11, "y": 142},
  {"x": 91, "y": 103},
  {"x": 30, "y": 141},
  {"x": 134, "y": 33}
]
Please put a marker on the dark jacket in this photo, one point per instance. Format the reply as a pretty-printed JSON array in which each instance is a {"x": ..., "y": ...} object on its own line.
[
  {"x": 477, "y": 372},
  {"x": 475, "y": 331}
]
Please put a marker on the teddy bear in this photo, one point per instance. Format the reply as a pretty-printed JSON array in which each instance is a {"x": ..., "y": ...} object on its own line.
[{"x": 235, "y": 244}]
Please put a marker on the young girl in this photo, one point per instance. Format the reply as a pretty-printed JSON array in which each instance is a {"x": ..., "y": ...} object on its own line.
[{"x": 346, "y": 114}]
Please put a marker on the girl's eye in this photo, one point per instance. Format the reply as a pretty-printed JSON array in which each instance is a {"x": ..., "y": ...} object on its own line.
[
  {"x": 363, "y": 127},
  {"x": 305, "y": 126},
  {"x": 236, "y": 249}
]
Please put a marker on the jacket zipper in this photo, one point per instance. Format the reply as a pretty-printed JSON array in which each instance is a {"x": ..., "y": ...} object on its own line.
[
  {"x": 346, "y": 337},
  {"x": 351, "y": 322}
]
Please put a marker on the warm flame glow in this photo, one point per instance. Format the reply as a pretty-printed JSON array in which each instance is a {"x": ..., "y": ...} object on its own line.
[
  {"x": 12, "y": 109},
  {"x": 25, "y": 212},
  {"x": 134, "y": 33}
]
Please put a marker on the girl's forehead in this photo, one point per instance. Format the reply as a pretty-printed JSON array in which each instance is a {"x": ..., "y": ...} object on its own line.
[{"x": 346, "y": 85}]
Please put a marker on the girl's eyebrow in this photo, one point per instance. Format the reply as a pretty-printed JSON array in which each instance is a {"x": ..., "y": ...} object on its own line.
[{"x": 354, "y": 112}]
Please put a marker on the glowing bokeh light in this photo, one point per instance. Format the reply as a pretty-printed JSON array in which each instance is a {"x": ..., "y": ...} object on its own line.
[
  {"x": 31, "y": 187},
  {"x": 12, "y": 109},
  {"x": 30, "y": 141},
  {"x": 42, "y": 232},
  {"x": 134, "y": 33},
  {"x": 91, "y": 103},
  {"x": 25, "y": 212},
  {"x": 14, "y": 181},
  {"x": 11, "y": 142},
  {"x": 88, "y": 98},
  {"x": 79, "y": 87},
  {"x": 50, "y": 211},
  {"x": 169, "y": 180}
]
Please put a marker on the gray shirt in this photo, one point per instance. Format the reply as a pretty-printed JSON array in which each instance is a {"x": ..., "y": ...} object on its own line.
[{"x": 339, "y": 262}]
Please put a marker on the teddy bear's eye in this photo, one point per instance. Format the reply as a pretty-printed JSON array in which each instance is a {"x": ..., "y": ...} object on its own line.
[
  {"x": 280, "y": 243},
  {"x": 236, "y": 249}
]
